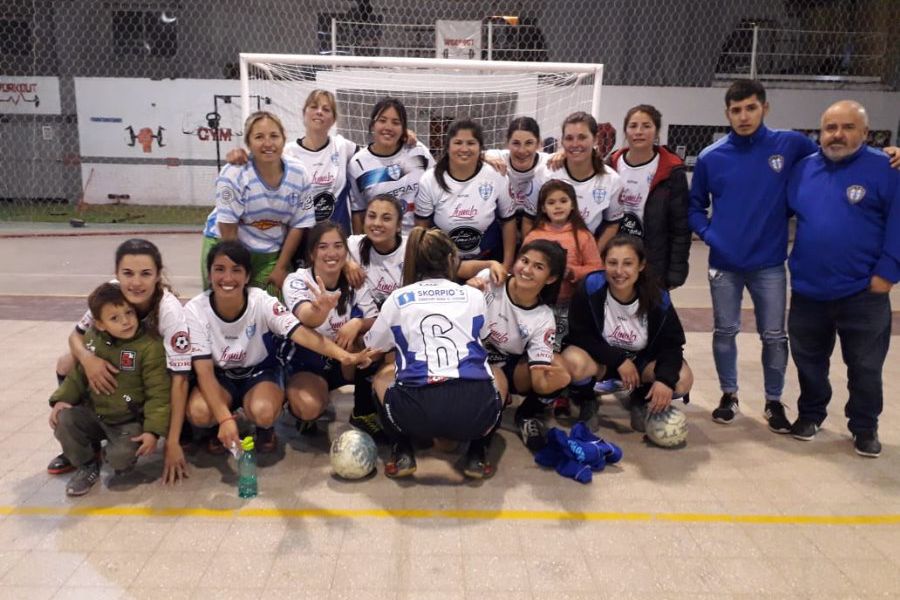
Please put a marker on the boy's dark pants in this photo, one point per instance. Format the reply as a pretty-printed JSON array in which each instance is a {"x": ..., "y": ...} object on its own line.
[{"x": 79, "y": 427}]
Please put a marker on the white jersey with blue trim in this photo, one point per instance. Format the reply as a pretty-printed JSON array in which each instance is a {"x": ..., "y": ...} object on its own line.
[
  {"x": 329, "y": 186},
  {"x": 436, "y": 327},
  {"x": 514, "y": 329},
  {"x": 522, "y": 188},
  {"x": 296, "y": 291},
  {"x": 598, "y": 196},
  {"x": 263, "y": 214},
  {"x": 172, "y": 329},
  {"x": 397, "y": 175},
  {"x": 469, "y": 211},
  {"x": 384, "y": 273},
  {"x": 237, "y": 344}
]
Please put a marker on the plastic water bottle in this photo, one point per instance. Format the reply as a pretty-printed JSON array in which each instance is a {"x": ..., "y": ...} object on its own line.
[{"x": 247, "y": 487}]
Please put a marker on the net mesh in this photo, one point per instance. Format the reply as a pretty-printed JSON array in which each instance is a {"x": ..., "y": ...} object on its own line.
[{"x": 75, "y": 75}]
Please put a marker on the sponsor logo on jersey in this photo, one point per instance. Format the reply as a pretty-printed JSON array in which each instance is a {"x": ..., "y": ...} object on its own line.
[
  {"x": 279, "y": 309},
  {"x": 324, "y": 206},
  {"x": 485, "y": 190},
  {"x": 550, "y": 337},
  {"x": 394, "y": 171},
  {"x": 127, "y": 360},
  {"x": 441, "y": 295},
  {"x": 265, "y": 224},
  {"x": 464, "y": 213},
  {"x": 229, "y": 355},
  {"x": 405, "y": 298},
  {"x": 631, "y": 225},
  {"x": 855, "y": 194},
  {"x": 498, "y": 337},
  {"x": 776, "y": 162},
  {"x": 251, "y": 330},
  {"x": 323, "y": 178},
  {"x": 181, "y": 342},
  {"x": 465, "y": 238},
  {"x": 621, "y": 335}
]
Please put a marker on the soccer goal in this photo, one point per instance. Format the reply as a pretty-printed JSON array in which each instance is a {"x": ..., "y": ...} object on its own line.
[{"x": 435, "y": 91}]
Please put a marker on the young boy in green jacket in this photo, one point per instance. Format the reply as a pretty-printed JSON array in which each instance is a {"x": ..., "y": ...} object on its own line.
[{"x": 132, "y": 418}]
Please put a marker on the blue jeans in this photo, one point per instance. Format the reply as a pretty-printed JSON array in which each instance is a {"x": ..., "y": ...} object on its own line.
[
  {"x": 768, "y": 289},
  {"x": 863, "y": 321}
]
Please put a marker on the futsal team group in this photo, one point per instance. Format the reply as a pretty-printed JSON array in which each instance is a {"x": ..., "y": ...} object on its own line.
[{"x": 440, "y": 289}]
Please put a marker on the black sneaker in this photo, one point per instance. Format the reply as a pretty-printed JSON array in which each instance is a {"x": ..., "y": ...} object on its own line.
[
  {"x": 776, "y": 418},
  {"x": 369, "y": 424},
  {"x": 402, "y": 462},
  {"x": 532, "y": 431},
  {"x": 477, "y": 465},
  {"x": 307, "y": 428},
  {"x": 83, "y": 479},
  {"x": 588, "y": 409},
  {"x": 727, "y": 410},
  {"x": 639, "y": 417},
  {"x": 60, "y": 465},
  {"x": 866, "y": 444},
  {"x": 804, "y": 429}
]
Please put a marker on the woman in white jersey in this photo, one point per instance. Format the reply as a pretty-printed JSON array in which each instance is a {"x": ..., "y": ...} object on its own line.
[
  {"x": 377, "y": 260},
  {"x": 322, "y": 299},
  {"x": 470, "y": 201},
  {"x": 139, "y": 272},
  {"x": 520, "y": 160},
  {"x": 521, "y": 331},
  {"x": 442, "y": 386},
  {"x": 627, "y": 330},
  {"x": 325, "y": 157},
  {"x": 230, "y": 349},
  {"x": 597, "y": 187},
  {"x": 387, "y": 165},
  {"x": 655, "y": 196},
  {"x": 265, "y": 204}
]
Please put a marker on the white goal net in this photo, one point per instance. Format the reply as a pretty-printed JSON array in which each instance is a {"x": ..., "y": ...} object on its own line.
[{"x": 436, "y": 92}]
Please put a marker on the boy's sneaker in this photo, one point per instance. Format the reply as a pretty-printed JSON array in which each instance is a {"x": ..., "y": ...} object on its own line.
[
  {"x": 477, "y": 465},
  {"x": 83, "y": 479},
  {"x": 532, "y": 431},
  {"x": 639, "y": 417},
  {"x": 369, "y": 424},
  {"x": 402, "y": 462},
  {"x": 804, "y": 429},
  {"x": 776, "y": 418},
  {"x": 866, "y": 444},
  {"x": 727, "y": 410},
  {"x": 60, "y": 465}
]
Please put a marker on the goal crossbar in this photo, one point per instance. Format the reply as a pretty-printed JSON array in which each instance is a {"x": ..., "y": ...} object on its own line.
[{"x": 585, "y": 69}]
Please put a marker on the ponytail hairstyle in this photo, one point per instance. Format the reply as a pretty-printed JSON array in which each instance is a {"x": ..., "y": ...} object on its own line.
[
  {"x": 649, "y": 110},
  {"x": 427, "y": 254},
  {"x": 384, "y": 104},
  {"x": 141, "y": 247},
  {"x": 555, "y": 255},
  {"x": 315, "y": 234},
  {"x": 443, "y": 165},
  {"x": 591, "y": 122},
  {"x": 235, "y": 251},
  {"x": 575, "y": 218},
  {"x": 649, "y": 292},
  {"x": 365, "y": 245},
  {"x": 255, "y": 118},
  {"x": 524, "y": 124}
]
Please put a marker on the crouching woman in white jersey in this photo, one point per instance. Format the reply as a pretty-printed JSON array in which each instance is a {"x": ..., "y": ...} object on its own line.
[
  {"x": 443, "y": 386},
  {"x": 230, "y": 355},
  {"x": 322, "y": 299},
  {"x": 521, "y": 331}
]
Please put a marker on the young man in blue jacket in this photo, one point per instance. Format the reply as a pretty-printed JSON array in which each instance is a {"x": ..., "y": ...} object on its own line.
[
  {"x": 744, "y": 176},
  {"x": 845, "y": 259}
]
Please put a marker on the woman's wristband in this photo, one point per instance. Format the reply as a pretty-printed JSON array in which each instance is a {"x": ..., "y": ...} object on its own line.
[{"x": 226, "y": 419}]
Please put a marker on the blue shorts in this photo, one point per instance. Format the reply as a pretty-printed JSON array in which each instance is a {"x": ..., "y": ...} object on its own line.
[
  {"x": 297, "y": 359},
  {"x": 507, "y": 362},
  {"x": 237, "y": 382}
]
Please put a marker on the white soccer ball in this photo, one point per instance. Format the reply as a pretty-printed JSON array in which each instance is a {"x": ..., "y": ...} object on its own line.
[
  {"x": 353, "y": 455},
  {"x": 667, "y": 428}
]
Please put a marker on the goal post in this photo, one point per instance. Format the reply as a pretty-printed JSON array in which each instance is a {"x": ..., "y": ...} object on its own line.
[{"x": 435, "y": 91}]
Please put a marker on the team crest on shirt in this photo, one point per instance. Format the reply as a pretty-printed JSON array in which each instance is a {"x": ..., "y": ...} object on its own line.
[
  {"x": 855, "y": 194},
  {"x": 599, "y": 195},
  {"x": 181, "y": 342},
  {"x": 335, "y": 158},
  {"x": 776, "y": 162},
  {"x": 127, "y": 360},
  {"x": 394, "y": 171},
  {"x": 279, "y": 309},
  {"x": 250, "y": 331},
  {"x": 523, "y": 331},
  {"x": 293, "y": 199},
  {"x": 485, "y": 190},
  {"x": 550, "y": 337}
]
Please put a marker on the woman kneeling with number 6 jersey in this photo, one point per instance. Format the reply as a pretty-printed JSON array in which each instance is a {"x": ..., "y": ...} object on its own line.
[
  {"x": 444, "y": 388},
  {"x": 627, "y": 330}
]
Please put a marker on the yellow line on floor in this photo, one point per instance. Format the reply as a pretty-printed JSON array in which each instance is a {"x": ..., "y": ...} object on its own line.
[{"x": 472, "y": 515}]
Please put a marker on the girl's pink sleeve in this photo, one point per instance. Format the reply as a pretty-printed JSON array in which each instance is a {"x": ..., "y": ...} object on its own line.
[{"x": 590, "y": 256}]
